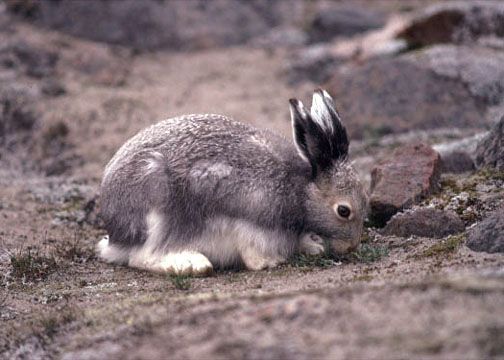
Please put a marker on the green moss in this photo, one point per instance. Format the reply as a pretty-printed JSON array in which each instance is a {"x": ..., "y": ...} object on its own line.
[
  {"x": 365, "y": 237},
  {"x": 181, "y": 282},
  {"x": 450, "y": 184},
  {"x": 369, "y": 253},
  {"x": 307, "y": 261},
  {"x": 491, "y": 174},
  {"x": 447, "y": 246}
]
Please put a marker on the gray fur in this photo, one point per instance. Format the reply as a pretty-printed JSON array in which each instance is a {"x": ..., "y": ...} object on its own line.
[{"x": 207, "y": 174}]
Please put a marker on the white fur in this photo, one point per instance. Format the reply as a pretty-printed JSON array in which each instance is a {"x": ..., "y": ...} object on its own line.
[
  {"x": 148, "y": 255},
  {"x": 320, "y": 113},
  {"x": 152, "y": 163},
  {"x": 111, "y": 253},
  {"x": 213, "y": 172},
  {"x": 219, "y": 170},
  {"x": 262, "y": 142},
  {"x": 311, "y": 244},
  {"x": 184, "y": 263},
  {"x": 224, "y": 242}
]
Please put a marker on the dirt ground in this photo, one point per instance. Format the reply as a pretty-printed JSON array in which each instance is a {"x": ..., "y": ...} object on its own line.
[{"x": 395, "y": 298}]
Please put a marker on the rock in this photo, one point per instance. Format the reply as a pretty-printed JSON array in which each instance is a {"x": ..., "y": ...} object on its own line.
[
  {"x": 281, "y": 37},
  {"x": 410, "y": 174},
  {"x": 456, "y": 162},
  {"x": 440, "y": 87},
  {"x": 343, "y": 21},
  {"x": 154, "y": 24},
  {"x": 457, "y": 22},
  {"x": 488, "y": 235},
  {"x": 490, "y": 150},
  {"x": 314, "y": 63},
  {"x": 424, "y": 222},
  {"x": 480, "y": 69},
  {"x": 53, "y": 88},
  {"x": 465, "y": 144}
]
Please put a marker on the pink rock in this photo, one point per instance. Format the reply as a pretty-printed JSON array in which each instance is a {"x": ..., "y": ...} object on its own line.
[{"x": 408, "y": 176}]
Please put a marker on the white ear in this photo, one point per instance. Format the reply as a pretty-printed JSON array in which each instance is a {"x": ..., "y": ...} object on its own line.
[{"x": 320, "y": 112}]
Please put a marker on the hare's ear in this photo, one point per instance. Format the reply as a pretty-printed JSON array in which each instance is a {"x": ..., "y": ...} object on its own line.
[
  {"x": 320, "y": 137},
  {"x": 300, "y": 119},
  {"x": 324, "y": 113},
  {"x": 309, "y": 137}
]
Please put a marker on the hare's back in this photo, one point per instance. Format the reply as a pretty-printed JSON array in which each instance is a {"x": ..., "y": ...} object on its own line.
[{"x": 186, "y": 140}]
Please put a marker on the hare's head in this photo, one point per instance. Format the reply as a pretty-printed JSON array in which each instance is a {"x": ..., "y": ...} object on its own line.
[{"x": 337, "y": 202}]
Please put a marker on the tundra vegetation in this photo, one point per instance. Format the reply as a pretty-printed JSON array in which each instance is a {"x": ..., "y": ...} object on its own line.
[{"x": 420, "y": 89}]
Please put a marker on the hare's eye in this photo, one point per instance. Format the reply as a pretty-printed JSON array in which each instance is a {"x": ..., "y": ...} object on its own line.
[{"x": 344, "y": 211}]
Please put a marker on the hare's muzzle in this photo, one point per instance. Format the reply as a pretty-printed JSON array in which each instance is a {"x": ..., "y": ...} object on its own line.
[{"x": 344, "y": 246}]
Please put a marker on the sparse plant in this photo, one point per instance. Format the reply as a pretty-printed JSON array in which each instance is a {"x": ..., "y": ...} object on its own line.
[
  {"x": 447, "y": 246},
  {"x": 369, "y": 253},
  {"x": 365, "y": 277},
  {"x": 30, "y": 265},
  {"x": 48, "y": 325},
  {"x": 307, "y": 261},
  {"x": 74, "y": 251},
  {"x": 181, "y": 282}
]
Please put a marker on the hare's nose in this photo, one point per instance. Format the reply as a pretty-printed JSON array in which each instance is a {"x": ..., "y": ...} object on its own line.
[
  {"x": 341, "y": 247},
  {"x": 353, "y": 247}
]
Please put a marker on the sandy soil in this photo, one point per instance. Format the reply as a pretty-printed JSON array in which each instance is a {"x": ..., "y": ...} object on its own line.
[{"x": 403, "y": 298}]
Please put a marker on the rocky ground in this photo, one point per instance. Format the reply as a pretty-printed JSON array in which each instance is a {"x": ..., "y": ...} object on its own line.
[{"x": 420, "y": 88}]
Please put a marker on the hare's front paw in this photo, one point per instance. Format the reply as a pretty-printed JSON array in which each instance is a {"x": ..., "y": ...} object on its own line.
[
  {"x": 311, "y": 244},
  {"x": 186, "y": 263},
  {"x": 255, "y": 260}
]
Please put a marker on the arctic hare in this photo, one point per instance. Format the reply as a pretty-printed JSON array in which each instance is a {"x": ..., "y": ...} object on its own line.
[{"x": 196, "y": 192}]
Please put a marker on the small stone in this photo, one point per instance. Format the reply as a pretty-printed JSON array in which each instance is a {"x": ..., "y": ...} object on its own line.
[
  {"x": 424, "y": 222},
  {"x": 403, "y": 180},
  {"x": 53, "y": 88},
  {"x": 488, "y": 235},
  {"x": 490, "y": 150},
  {"x": 456, "y": 162}
]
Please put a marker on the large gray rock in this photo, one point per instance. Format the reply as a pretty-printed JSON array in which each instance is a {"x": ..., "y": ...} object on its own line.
[
  {"x": 490, "y": 150},
  {"x": 444, "y": 86},
  {"x": 154, "y": 24},
  {"x": 425, "y": 222},
  {"x": 340, "y": 20},
  {"x": 457, "y": 22},
  {"x": 315, "y": 63},
  {"x": 409, "y": 175},
  {"x": 488, "y": 235}
]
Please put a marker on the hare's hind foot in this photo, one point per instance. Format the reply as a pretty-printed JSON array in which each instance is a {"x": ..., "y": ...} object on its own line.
[
  {"x": 311, "y": 244},
  {"x": 176, "y": 263}
]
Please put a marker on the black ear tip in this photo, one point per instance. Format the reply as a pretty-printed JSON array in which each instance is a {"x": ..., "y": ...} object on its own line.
[
  {"x": 319, "y": 91},
  {"x": 294, "y": 102}
]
